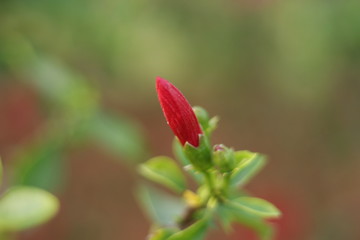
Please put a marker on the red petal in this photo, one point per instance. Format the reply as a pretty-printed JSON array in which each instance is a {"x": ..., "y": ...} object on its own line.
[{"x": 178, "y": 113}]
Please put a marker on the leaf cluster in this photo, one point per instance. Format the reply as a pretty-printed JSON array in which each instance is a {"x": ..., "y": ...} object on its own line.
[{"x": 218, "y": 198}]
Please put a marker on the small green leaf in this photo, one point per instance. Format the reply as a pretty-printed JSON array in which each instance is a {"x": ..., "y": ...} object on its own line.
[
  {"x": 162, "y": 208},
  {"x": 241, "y": 156},
  {"x": 202, "y": 116},
  {"x": 164, "y": 170},
  {"x": 257, "y": 206},
  {"x": 248, "y": 165},
  {"x": 196, "y": 231},
  {"x": 26, "y": 207},
  {"x": 232, "y": 212},
  {"x": 213, "y": 124},
  {"x": 226, "y": 218},
  {"x": 208, "y": 125}
]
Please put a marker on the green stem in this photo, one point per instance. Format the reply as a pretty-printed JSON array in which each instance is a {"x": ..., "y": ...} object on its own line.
[
  {"x": 210, "y": 183},
  {"x": 226, "y": 182}
]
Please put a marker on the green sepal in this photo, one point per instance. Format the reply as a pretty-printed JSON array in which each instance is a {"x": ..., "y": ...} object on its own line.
[
  {"x": 178, "y": 150},
  {"x": 200, "y": 157},
  {"x": 164, "y": 170}
]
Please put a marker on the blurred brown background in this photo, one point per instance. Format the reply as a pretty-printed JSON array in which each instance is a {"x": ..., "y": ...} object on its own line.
[{"x": 78, "y": 108}]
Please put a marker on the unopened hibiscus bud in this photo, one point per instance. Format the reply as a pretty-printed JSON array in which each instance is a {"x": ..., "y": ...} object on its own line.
[
  {"x": 185, "y": 125},
  {"x": 178, "y": 113}
]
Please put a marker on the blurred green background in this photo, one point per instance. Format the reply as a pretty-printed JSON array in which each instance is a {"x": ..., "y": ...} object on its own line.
[{"x": 78, "y": 108}]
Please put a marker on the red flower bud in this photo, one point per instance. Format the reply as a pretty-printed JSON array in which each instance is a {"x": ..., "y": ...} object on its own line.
[{"x": 178, "y": 113}]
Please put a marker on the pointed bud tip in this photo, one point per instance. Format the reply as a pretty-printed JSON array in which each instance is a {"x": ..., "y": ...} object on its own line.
[
  {"x": 161, "y": 82},
  {"x": 162, "y": 85},
  {"x": 158, "y": 79}
]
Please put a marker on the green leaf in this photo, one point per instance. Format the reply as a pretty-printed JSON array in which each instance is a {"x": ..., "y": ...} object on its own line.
[
  {"x": 241, "y": 156},
  {"x": 202, "y": 116},
  {"x": 248, "y": 165},
  {"x": 118, "y": 135},
  {"x": 232, "y": 212},
  {"x": 257, "y": 206},
  {"x": 161, "y": 234},
  {"x": 162, "y": 208},
  {"x": 41, "y": 165},
  {"x": 26, "y": 207},
  {"x": 164, "y": 170},
  {"x": 68, "y": 89},
  {"x": 196, "y": 231},
  {"x": 226, "y": 218},
  {"x": 213, "y": 124},
  {"x": 207, "y": 124}
]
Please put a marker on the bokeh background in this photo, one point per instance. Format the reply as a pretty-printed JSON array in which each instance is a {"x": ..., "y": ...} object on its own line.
[{"x": 78, "y": 108}]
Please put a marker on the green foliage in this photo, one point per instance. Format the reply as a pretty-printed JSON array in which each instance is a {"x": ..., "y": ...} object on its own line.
[
  {"x": 230, "y": 213},
  {"x": 202, "y": 116},
  {"x": 219, "y": 174},
  {"x": 80, "y": 111},
  {"x": 118, "y": 135},
  {"x": 23, "y": 207},
  {"x": 41, "y": 166},
  {"x": 164, "y": 170},
  {"x": 162, "y": 208},
  {"x": 74, "y": 116},
  {"x": 194, "y": 232},
  {"x": 26, "y": 207},
  {"x": 248, "y": 164},
  {"x": 161, "y": 234},
  {"x": 72, "y": 113},
  {"x": 208, "y": 124},
  {"x": 256, "y": 206}
]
